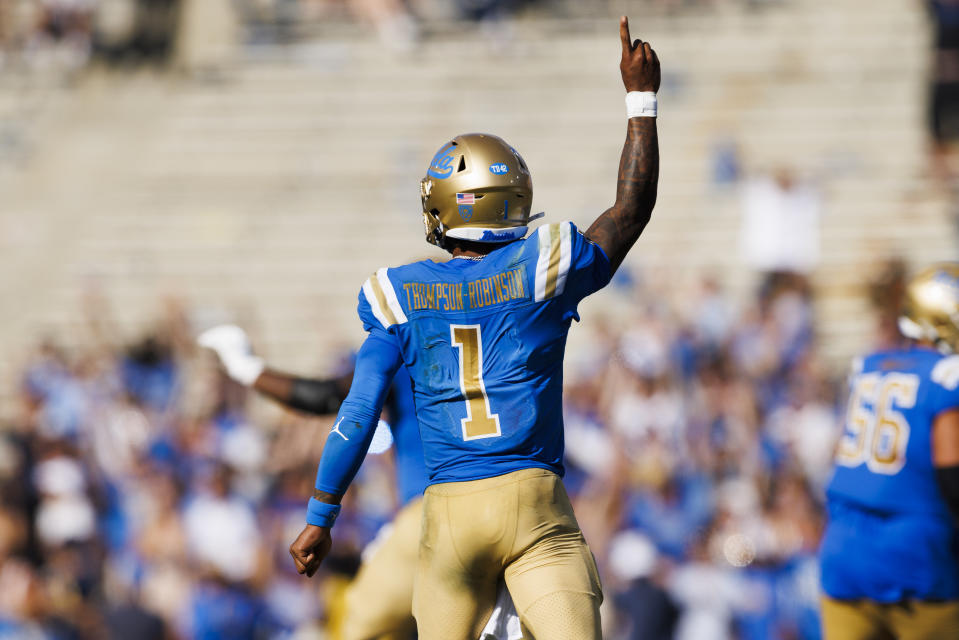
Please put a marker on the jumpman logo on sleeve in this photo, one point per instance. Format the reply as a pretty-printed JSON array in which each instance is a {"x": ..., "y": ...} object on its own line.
[{"x": 336, "y": 430}]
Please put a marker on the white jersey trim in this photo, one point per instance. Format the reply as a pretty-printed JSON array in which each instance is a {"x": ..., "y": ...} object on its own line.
[
  {"x": 380, "y": 295},
  {"x": 946, "y": 373}
]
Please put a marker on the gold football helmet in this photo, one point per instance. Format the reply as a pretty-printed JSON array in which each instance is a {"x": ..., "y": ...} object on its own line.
[
  {"x": 477, "y": 188},
  {"x": 931, "y": 307}
]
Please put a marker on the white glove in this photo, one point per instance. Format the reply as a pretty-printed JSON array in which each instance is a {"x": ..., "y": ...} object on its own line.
[{"x": 232, "y": 346}]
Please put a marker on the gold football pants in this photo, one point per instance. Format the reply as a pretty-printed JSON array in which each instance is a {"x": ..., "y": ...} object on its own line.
[
  {"x": 911, "y": 620},
  {"x": 519, "y": 526},
  {"x": 379, "y": 601}
]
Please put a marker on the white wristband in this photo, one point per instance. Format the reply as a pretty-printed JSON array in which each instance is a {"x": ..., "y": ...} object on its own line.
[{"x": 641, "y": 104}]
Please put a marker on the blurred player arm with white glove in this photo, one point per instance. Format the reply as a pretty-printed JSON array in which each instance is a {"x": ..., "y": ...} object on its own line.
[
  {"x": 618, "y": 228},
  {"x": 311, "y": 395},
  {"x": 346, "y": 446}
]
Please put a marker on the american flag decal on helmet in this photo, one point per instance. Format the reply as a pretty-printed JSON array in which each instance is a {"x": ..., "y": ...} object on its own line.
[{"x": 465, "y": 198}]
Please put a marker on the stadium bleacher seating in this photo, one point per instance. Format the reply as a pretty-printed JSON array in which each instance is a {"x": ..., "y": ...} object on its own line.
[{"x": 274, "y": 188}]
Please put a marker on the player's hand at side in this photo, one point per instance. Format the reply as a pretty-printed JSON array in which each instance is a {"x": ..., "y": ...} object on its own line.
[
  {"x": 640, "y": 65},
  {"x": 310, "y": 548}
]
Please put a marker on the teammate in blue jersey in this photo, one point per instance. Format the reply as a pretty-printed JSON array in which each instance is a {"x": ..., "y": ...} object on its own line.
[
  {"x": 379, "y": 599},
  {"x": 890, "y": 553},
  {"x": 483, "y": 337}
]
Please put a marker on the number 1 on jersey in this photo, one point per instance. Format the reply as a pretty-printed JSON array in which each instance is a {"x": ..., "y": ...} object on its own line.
[{"x": 480, "y": 421}]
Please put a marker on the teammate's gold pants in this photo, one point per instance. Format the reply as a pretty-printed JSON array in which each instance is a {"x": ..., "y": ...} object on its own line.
[
  {"x": 911, "y": 620},
  {"x": 519, "y": 526},
  {"x": 379, "y": 601}
]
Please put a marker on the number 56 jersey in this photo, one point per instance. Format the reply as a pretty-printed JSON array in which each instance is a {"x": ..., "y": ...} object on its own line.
[
  {"x": 884, "y": 458},
  {"x": 890, "y": 534},
  {"x": 483, "y": 340}
]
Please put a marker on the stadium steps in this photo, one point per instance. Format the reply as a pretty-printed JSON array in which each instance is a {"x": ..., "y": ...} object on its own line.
[{"x": 271, "y": 194}]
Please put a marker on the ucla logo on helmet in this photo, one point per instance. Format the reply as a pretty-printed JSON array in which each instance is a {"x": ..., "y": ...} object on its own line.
[
  {"x": 442, "y": 164},
  {"x": 499, "y": 168},
  {"x": 946, "y": 279}
]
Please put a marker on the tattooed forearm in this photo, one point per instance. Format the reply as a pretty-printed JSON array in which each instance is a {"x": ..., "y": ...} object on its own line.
[{"x": 618, "y": 228}]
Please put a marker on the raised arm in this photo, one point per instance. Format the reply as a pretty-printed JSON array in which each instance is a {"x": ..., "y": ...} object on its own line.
[
  {"x": 346, "y": 447},
  {"x": 618, "y": 228},
  {"x": 311, "y": 395}
]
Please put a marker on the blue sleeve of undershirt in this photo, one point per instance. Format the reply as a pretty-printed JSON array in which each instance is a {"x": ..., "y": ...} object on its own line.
[{"x": 349, "y": 440}]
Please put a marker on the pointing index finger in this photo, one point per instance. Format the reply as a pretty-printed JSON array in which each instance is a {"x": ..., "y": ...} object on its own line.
[{"x": 624, "y": 34}]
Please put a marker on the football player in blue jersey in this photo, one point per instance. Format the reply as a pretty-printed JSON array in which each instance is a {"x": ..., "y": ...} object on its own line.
[
  {"x": 483, "y": 336},
  {"x": 379, "y": 599},
  {"x": 890, "y": 553}
]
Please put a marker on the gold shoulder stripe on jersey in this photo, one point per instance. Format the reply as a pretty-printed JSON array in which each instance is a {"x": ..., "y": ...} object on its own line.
[
  {"x": 381, "y": 301},
  {"x": 554, "y": 260},
  {"x": 552, "y": 271},
  {"x": 389, "y": 293}
]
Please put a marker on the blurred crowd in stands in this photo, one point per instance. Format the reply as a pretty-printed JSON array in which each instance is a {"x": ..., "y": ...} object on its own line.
[
  {"x": 63, "y": 35},
  {"x": 66, "y": 33},
  {"x": 196, "y": 34},
  {"x": 143, "y": 494},
  {"x": 699, "y": 440},
  {"x": 201, "y": 37}
]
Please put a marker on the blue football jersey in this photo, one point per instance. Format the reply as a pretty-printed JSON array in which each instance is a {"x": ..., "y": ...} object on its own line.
[
  {"x": 411, "y": 476},
  {"x": 890, "y": 534},
  {"x": 483, "y": 341}
]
